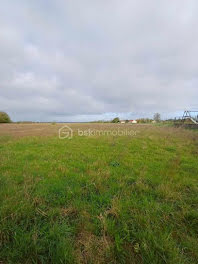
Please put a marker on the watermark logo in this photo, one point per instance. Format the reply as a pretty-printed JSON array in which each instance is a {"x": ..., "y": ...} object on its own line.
[
  {"x": 65, "y": 132},
  {"x": 114, "y": 132}
]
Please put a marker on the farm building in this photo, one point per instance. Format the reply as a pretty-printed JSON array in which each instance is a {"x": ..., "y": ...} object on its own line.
[
  {"x": 122, "y": 121},
  {"x": 133, "y": 121}
]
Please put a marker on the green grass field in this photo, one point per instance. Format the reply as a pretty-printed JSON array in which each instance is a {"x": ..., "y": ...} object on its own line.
[{"x": 100, "y": 199}]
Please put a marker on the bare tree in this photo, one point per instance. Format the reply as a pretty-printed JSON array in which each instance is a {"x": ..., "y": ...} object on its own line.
[{"x": 157, "y": 117}]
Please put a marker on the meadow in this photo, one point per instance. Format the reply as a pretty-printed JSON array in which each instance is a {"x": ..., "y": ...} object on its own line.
[{"x": 98, "y": 199}]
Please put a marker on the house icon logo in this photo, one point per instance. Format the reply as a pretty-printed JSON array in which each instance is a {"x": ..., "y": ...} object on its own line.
[{"x": 65, "y": 132}]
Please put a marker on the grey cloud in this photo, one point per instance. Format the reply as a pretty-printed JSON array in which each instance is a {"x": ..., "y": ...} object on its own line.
[{"x": 81, "y": 60}]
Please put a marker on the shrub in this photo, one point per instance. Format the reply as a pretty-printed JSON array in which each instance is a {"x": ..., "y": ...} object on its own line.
[
  {"x": 116, "y": 120},
  {"x": 4, "y": 118}
]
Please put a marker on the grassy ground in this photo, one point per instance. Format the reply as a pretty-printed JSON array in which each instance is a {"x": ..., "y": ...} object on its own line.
[{"x": 100, "y": 199}]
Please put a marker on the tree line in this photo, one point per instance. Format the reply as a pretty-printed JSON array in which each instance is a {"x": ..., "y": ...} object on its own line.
[{"x": 156, "y": 118}]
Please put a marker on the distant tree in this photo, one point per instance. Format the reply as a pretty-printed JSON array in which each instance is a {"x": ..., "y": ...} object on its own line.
[
  {"x": 116, "y": 120},
  {"x": 127, "y": 121},
  {"x": 4, "y": 118},
  {"x": 157, "y": 117}
]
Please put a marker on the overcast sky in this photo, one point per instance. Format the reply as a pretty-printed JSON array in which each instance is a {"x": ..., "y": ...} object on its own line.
[{"x": 79, "y": 60}]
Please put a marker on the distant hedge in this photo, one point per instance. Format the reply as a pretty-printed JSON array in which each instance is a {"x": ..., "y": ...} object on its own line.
[{"x": 4, "y": 118}]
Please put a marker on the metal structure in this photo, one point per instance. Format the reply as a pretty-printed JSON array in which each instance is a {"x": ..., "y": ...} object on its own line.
[{"x": 188, "y": 116}]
